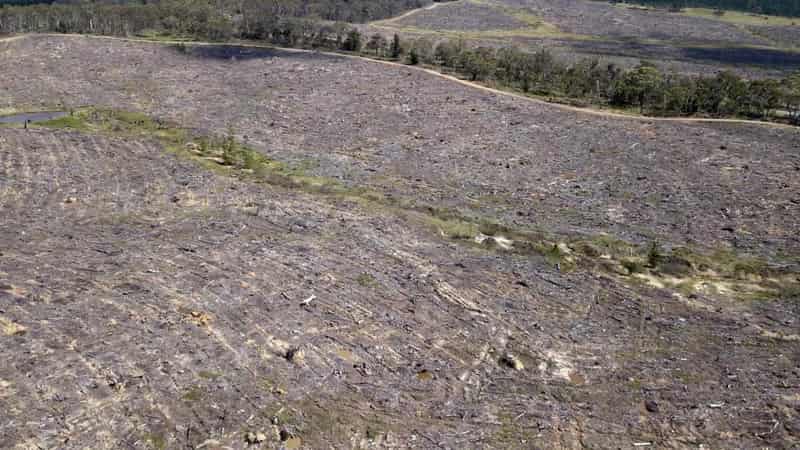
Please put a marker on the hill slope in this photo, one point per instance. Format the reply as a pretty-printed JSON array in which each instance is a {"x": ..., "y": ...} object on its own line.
[{"x": 350, "y": 290}]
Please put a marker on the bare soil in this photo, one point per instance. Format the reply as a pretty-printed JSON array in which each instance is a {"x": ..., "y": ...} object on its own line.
[
  {"x": 602, "y": 19},
  {"x": 581, "y": 28},
  {"x": 149, "y": 302},
  {"x": 470, "y": 17},
  {"x": 786, "y": 36}
]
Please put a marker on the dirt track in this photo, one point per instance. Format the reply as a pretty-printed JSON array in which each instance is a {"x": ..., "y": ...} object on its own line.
[
  {"x": 408, "y": 13},
  {"x": 151, "y": 303},
  {"x": 584, "y": 110}
]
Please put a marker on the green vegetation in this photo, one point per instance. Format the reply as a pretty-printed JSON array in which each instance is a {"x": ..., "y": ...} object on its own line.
[
  {"x": 194, "y": 394},
  {"x": 366, "y": 280},
  {"x": 196, "y": 17},
  {"x": 679, "y": 268},
  {"x": 158, "y": 441},
  {"x": 209, "y": 375},
  {"x": 72, "y": 122},
  {"x": 117, "y": 122}
]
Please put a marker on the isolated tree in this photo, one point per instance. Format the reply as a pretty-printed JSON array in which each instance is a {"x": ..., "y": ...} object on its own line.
[
  {"x": 395, "y": 50},
  {"x": 413, "y": 57},
  {"x": 352, "y": 43},
  {"x": 377, "y": 43}
]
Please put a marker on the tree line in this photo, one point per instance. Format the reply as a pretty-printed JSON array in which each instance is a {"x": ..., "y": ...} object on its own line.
[
  {"x": 585, "y": 82},
  {"x": 772, "y": 7},
  {"x": 591, "y": 82},
  {"x": 353, "y": 11}
]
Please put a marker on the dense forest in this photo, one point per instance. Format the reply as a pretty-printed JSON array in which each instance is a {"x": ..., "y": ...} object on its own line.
[
  {"x": 771, "y": 7},
  {"x": 583, "y": 82},
  {"x": 355, "y": 11},
  {"x": 207, "y": 19}
]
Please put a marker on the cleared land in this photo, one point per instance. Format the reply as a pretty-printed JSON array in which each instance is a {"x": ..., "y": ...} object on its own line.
[
  {"x": 472, "y": 17},
  {"x": 783, "y": 36},
  {"x": 155, "y": 299},
  {"x": 593, "y": 19},
  {"x": 587, "y": 28}
]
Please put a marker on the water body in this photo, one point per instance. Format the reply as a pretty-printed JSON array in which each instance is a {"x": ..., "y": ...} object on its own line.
[{"x": 32, "y": 117}]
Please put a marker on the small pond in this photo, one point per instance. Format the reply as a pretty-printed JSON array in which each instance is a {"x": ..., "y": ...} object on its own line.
[{"x": 32, "y": 117}]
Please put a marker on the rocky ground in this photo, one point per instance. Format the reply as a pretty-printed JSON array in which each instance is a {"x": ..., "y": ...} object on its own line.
[{"x": 149, "y": 300}]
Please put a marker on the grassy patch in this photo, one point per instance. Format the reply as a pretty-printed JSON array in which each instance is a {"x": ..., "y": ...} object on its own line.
[
  {"x": 110, "y": 121},
  {"x": 157, "y": 441},
  {"x": 680, "y": 269},
  {"x": 366, "y": 280},
  {"x": 223, "y": 154},
  {"x": 193, "y": 395},
  {"x": 67, "y": 122},
  {"x": 209, "y": 374},
  {"x": 453, "y": 228}
]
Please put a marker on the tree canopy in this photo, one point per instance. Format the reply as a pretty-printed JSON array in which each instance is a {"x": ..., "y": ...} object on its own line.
[{"x": 354, "y": 11}]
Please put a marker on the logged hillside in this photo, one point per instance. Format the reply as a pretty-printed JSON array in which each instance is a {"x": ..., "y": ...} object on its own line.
[
  {"x": 688, "y": 42},
  {"x": 249, "y": 248}
]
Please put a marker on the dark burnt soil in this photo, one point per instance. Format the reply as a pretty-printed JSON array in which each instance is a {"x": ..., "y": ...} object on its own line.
[
  {"x": 744, "y": 60},
  {"x": 685, "y": 61},
  {"x": 147, "y": 302},
  {"x": 750, "y": 56}
]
